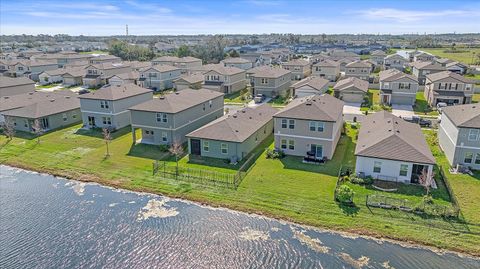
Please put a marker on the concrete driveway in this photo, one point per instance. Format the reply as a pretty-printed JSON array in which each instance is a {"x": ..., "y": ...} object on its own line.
[
  {"x": 351, "y": 112},
  {"x": 403, "y": 111}
]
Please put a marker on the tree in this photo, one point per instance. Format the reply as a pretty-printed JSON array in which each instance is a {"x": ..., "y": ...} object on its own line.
[
  {"x": 426, "y": 180},
  {"x": 106, "y": 138},
  {"x": 176, "y": 149},
  {"x": 233, "y": 53},
  {"x": 8, "y": 128},
  {"x": 183, "y": 51},
  {"x": 37, "y": 129}
]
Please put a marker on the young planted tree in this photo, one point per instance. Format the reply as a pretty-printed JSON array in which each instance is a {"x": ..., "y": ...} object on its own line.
[
  {"x": 8, "y": 128},
  {"x": 37, "y": 129},
  {"x": 176, "y": 149},
  {"x": 426, "y": 180},
  {"x": 107, "y": 137}
]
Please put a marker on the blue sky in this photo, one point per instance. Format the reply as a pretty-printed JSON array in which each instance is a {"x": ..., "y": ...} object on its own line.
[{"x": 146, "y": 17}]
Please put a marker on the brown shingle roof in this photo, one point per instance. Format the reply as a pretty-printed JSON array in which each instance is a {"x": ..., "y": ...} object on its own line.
[
  {"x": 59, "y": 104},
  {"x": 166, "y": 59},
  {"x": 270, "y": 72},
  {"x": 222, "y": 70},
  {"x": 25, "y": 99},
  {"x": 236, "y": 60},
  {"x": 160, "y": 68},
  {"x": 295, "y": 62},
  {"x": 378, "y": 53},
  {"x": 466, "y": 116},
  {"x": 315, "y": 107},
  {"x": 327, "y": 63},
  {"x": 237, "y": 127},
  {"x": 359, "y": 64},
  {"x": 427, "y": 65},
  {"x": 115, "y": 92},
  {"x": 10, "y": 82},
  {"x": 385, "y": 136},
  {"x": 178, "y": 101},
  {"x": 454, "y": 77},
  {"x": 192, "y": 78},
  {"x": 394, "y": 74},
  {"x": 187, "y": 59},
  {"x": 317, "y": 83},
  {"x": 351, "y": 82}
]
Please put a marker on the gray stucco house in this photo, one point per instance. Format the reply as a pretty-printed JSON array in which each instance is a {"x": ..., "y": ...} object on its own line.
[
  {"x": 310, "y": 125},
  {"x": 394, "y": 61},
  {"x": 358, "y": 69},
  {"x": 378, "y": 57},
  {"x": 327, "y": 69},
  {"x": 270, "y": 81},
  {"x": 108, "y": 106},
  {"x": 448, "y": 87},
  {"x": 159, "y": 77},
  {"x": 234, "y": 136},
  {"x": 170, "y": 117},
  {"x": 397, "y": 88},
  {"x": 309, "y": 86},
  {"x": 459, "y": 135},
  {"x": 300, "y": 68},
  {"x": 391, "y": 149},
  {"x": 351, "y": 90},
  {"x": 422, "y": 69}
]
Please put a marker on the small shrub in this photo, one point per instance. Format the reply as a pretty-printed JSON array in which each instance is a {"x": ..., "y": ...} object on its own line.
[
  {"x": 163, "y": 148},
  {"x": 274, "y": 154},
  {"x": 427, "y": 199},
  {"x": 345, "y": 194},
  {"x": 362, "y": 181}
]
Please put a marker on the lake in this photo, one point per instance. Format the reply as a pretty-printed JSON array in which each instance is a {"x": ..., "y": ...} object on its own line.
[{"x": 50, "y": 222}]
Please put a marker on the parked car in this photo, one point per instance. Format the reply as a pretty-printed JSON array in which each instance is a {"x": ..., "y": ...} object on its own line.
[
  {"x": 259, "y": 98},
  {"x": 419, "y": 121},
  {"x": 440, "y": 106},
  {"x": 83, "y": 91}
]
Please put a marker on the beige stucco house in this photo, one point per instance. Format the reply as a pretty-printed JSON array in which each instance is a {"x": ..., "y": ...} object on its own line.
[
  {"x": 448, "y": 87},
  {"x": 351, "y": 90}
]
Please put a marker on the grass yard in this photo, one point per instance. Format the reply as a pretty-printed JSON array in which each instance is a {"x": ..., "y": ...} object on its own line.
[
  {"x": 48, "y": 86},
  {"x": 476, "y": 98},
  {"x": 421, "y": 106},
  {"x": 95, "y": 52},
  {"x": 239, "y": 97},
  {"x": 285, "y": 188},
  {"x": 465, "y": 56}
]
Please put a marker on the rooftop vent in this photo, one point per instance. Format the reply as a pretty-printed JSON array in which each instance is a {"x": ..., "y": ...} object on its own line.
[
  {"x": 52, "y": 100},
  {"x": 6, "y": 97},
  {"x": 161, "y": 97},
  {"x": 235, "y": 116},
  {"x": 30, "y": 93},
  {"x": 177, "y": 93}
]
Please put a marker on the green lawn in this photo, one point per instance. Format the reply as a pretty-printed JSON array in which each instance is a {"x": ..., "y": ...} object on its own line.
[
  {"x": 239, "y": 97},
  {"x": 47, "y": 86},
  {"x": 95, "y": 52},
  {"x": 284, "y": 188},
  {"x": 465, "y": 56},
  {"x": 421, "y": 106},
  {"x": 476, "y": 98}
]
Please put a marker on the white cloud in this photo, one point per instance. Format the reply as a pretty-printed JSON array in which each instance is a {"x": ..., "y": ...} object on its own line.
[{"x": 402, "y": 15}]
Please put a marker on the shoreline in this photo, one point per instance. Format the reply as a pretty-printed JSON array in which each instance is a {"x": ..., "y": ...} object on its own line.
[{"x": 349, "y": 233}]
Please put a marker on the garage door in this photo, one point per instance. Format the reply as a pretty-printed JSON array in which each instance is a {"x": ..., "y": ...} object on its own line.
[
  {"x": 352, "y": 97},
  {"x": 403, "y": 100}
]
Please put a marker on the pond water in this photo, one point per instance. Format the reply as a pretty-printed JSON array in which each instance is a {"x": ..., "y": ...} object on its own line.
[{"x": 49, "y": 222}]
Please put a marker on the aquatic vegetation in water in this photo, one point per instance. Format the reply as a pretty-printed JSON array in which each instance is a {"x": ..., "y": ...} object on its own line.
[
  {"x": 359, "y": 263},
  {"x": 313, "y": 243},
  {"x": 77, "y": 187},
  {"x": 156, "y": 209},
  {"x": 387, "y": 265},
  {"x": 254, "y": 235}
]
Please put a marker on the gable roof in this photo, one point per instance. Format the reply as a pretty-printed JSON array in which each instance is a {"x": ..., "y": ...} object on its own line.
[
  {"x": 160, "y": 68},
  {"x": 314, "y": 107},
  {"x": 129, "y": 75},
  {"x": 427, "y": 65},
  {"x": 317, "y": 83},
  {"x": 449, "y": 75},
  {"x": 108, "y": 65},
  {"x": 378, "y": 53},
  {"x": 177, "y": 101},
  {"x": 327, "y": 63},
  {"x": 187, "y": 59},
  {"x": 166, "y": 59},
  {"x": 222, "y": 70},
  {"x": 351, "y": 82},
  {"x": 191, "y": 78},
  {"x": 393, "y": 75},
  {"x": 25, "y": 99},
  {"x": 55, "y": 105},
  {"x": 270, "y": 72},
  {"x": 300, "y": 62},
  {"x": 359, "y": 64},
  {"x": 395, "y": 55},
  {"x": 235, "y": 60},
  {"x": 237, "y": 127},
  {"x": 466, "y": 116},
  {"x": 12, "y": 82},
  {"x": 385, "y": 136},
  {"x": 115, "y": 92}
]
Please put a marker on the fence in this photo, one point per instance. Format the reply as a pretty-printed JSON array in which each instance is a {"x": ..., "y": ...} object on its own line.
[
  {"x": 341, "y": 172},
  {"x": 445, "y": 181}
]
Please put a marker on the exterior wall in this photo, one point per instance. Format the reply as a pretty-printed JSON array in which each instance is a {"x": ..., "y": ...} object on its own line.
[
  {"x": 330, "y": 73},
  {"x": 274, "y": 87},
  {"x": 71, "y": 81},
  {"x": 397, "y": 62},
  {"x": 244, "y": 66},
  {"x": 447, "y": 138},
  {"x": 307, "y": 90},
  {"x": 162, "y": 81},
  {"x": 401, "y": 96},
  {"x": 361, "y": 73},
  {"x": 298, "y": 72},
  {"x": 36, "y": 70},
  {"x": 430, "y": 87},
  {"x": 350, "y": 95},
  {"x": 377, "y": 59},
  {"x": 45, "y": 79},
  {"x": 55, "y": 121},
  {"x": 235, "y": 150},
  {"x": 8, "y": 91}
]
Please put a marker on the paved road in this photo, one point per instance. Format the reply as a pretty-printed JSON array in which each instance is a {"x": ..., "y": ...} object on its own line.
[{"x": 403, "y": 111}]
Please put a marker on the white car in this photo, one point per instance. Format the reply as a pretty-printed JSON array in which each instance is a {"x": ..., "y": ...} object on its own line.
[{"x": 440, "y": 106}]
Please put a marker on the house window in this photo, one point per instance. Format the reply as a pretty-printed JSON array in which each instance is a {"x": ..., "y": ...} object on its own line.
[
  {"x": 284, "y": 123},
  {"x": 210, "y": 103},
  {"x": 204, "y": 107},
  {"x": 64, "y": 116},
  {"x": 403, "y": 170},
  {"x": 206, "y": 146},
  {"x": 74, "y": 115},
  {"x": 477, "y": 158},
  {"x": 386, "y": 85},
  {"x": 224, "y": 148},
  {"x": 468, "y": 157},
  {"x": 473, "y": 135},
  {"x": 320, "y": 126},
  {"x": 377, "y": 167},
  {"x": 264, "y": 81},
  {"x": 25, "y": 123},
  {"x": 162, "y": 117},
  {"x": 106, "y": 120},
  {"x": 291, "y": 144},
  {"x": 313, "y": 126},
  {"x": 283, "y": 144},
  {"x": 404, "y": 86},
  {"x": 104, "y": 104},
  {"x": 291, "y": 124},
  {"x": 164, "y": 136}
]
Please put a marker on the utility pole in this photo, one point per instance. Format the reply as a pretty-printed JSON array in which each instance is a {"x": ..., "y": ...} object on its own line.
[{"x": 126, "y": 29}]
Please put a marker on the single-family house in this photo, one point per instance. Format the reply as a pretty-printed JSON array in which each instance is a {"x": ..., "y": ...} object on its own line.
[
  {"x": 422, "y": 69},
  {"x": 448, "y": 87},
  {"x": 224, "y": 79},
  {"x": 165, "y": 60},
  {"x": 124, "y": 78},
  {"x": 13, "y": 86},
  {"x": 185, "y": 64},
  {"x": 190, "y": 81},
  {"x": 159, "y": 77},
  {"x": 108, "y": 106},
  {"x": 327, "y": 69},
  {"x": 392, "y": 149},
  {"x": 309, "y": 126},
  {"x": 397, "y": 88},
  {"x": 233, "y": 136},
  {"x": 351, "y": 90},
  {"x": 101, "y": 59},
  {"x": 170, "y": 117},
  {"x": 237, "y": 62},
  {"x": 378, "y": 57},
  {"x": 453, "y": 66},
  {"x": 97, "y": 74},
  {"x": 271, "y": 81},
  {"x": 299, "y": 68},
  {"x": 73, "y": 76},
  {"x": 309, "y": 86},
  {"x": 459, "y": 135},
  {"x": 421, "y": 56},
  {"x": 51, "y": 76},
  {"x": 343, "y": 63},
  {"x": 358, "y": 69},
  {"x": 394, "y": 61}
]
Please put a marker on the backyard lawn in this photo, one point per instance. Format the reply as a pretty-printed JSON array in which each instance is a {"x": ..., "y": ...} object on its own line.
[
  {"x": 282, "y": 188},
  {"x": 421, "y": 106},
  {"x": 465, "y": 55},
  {"x": 476, "y": 98},
  {"x": 239, "y": 97}
]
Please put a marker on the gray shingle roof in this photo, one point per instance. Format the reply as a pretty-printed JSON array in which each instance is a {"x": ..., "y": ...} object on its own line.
[
  {"x": 115, "y": 92},
  {"x": 393, "y": 75},
  {"x": 451, "y": 76},
  {"x": 236, "y": 60},
  {"x": 54, "y": 105},
  {"x": 466, "y": 116},
  {"x": 351, "y": 82},
  {"x": 385, "y": 136},
  {"x": 315, "y": 107},
  {"x": 378, "y": 53},
  {"x": 24, "y": 99},
  {"x": 317, "y": 83},
  {"x": 10, "y": 82},
  {"x": 160, "y": 68},
  {"x": 222, "y": 70},
  {"x": 327, "y": 63},
  {"x": 191, "y": 78},
  {"x": 359, "y": 64},
  {"x": 427, "y": 65},
  {"x": 296, "y": 62},
  {"x": 237, "y": 127},
  {"x": 178, "y": 101},
  {"x": 270, "y": 72}
]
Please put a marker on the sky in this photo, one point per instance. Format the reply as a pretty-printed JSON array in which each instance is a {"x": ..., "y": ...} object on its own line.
[{"x": 165, "y": 17}]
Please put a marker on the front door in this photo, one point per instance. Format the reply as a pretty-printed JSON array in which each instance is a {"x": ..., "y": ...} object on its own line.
[
  {"x": 195, "y": 147},
  {"x": 91, "y": 121},
  {"x": 318, "y": 150}
]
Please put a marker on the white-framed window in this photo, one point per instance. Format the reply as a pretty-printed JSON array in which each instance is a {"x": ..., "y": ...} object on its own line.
[
  {"x": 284, "y": 123},
  {"x": 403, "y": 170},
  {"x": 210, "y": 103},
  {"x": 291, "y": 124},
  {"x": 291, "y": 144},
  {"x": 386, "y": 85},
  {"x": 106, "y": 120},
  {"x": 473, "y": 134},
  {"x": 104, "y": 104},
  {"x": 312, "y": 126},
  {"x": 468, "y": 157},
  {"x": 320, "y": 126},
  {"x": 206, "y": 146},
  {"x": 264, "y": 81},
  {"x": 377, "y": 167},
  {"x": 477, "y": 158},
  {"x": 162, "y": 117},
  {"x": 224, "y": 148},
  {"x": 74, "y": 115},
  {"x": 316, "y": 126},
  {"x": 283, "y": 144},
  {"x": 64, "y": 116},
  {"x": 164, "y": 136}
]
